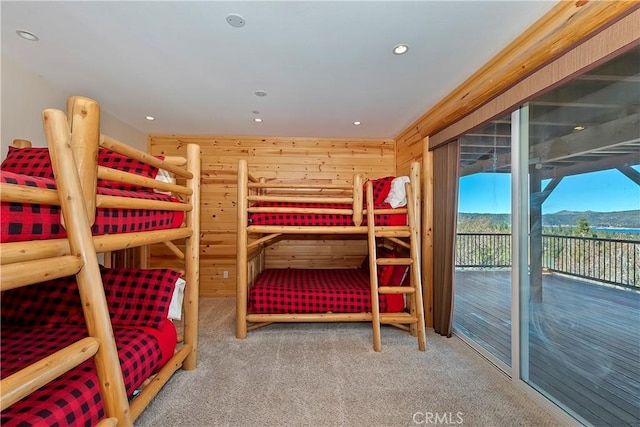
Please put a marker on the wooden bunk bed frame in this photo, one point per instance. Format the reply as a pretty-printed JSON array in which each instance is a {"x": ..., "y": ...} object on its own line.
[
  {"x": 252, "y": 239},
  {"x": 73, "y": 140}
]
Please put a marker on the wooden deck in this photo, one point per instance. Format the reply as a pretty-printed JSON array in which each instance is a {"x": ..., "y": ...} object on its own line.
[{"x": 584, "y": 340}]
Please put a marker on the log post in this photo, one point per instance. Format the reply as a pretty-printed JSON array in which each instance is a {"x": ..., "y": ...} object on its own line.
[
  {"x": 241, "y": 251},
  {"x": 192, "y": 259},
  {"x": 83, "y": 115},
  {"x": 94, "y": 303}
]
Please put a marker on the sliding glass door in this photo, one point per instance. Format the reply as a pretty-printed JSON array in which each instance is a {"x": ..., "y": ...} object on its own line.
[
  {"x": 579, "y": 297},
  {"x": 482, "y": 300},
  {"x": 547, "y": 279}
]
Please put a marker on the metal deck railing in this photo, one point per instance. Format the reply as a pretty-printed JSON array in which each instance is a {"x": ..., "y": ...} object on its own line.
[{"x": 611, "y": 261}]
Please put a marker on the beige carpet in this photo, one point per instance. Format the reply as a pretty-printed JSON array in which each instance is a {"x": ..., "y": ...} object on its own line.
[{"x": 328, "y": 375}]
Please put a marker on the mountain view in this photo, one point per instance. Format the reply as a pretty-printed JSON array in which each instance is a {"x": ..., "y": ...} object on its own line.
[
  {"x": 620, "y": 219},
  {"x": 600, "y": 246}
]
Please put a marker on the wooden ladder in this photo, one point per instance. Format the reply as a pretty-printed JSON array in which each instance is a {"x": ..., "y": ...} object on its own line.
[{"x": 413, "y": 316}]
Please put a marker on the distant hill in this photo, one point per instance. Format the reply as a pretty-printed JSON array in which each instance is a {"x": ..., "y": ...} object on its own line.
[
  {"x": 620, "y": 219},
  {"x": 490, "y": 219}
]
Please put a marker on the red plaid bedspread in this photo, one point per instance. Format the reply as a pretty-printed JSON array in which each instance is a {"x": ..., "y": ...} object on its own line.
[
  {"x": 23, "y": 222},
  {"x": 317, "y": 291},
  {"x": 73, "y": 398},
  {"x": 291, "y": 219}
]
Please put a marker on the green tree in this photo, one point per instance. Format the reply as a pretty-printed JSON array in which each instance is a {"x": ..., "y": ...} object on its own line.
[{"x": 583, "y": 228}]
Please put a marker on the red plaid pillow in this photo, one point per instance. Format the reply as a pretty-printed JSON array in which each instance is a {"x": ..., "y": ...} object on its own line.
[
  {"x": 29, "y": 161},
  {"x": 117, "y": 161},
  {"x": 385, "y": 272},
  {"x": 35, "y": 161},
  {"x": 388, "y": 275},
  {"x": 381, "y": 188},
  {"x": 399, "y": 275},
  {"x": 136, "y": 297},
  {"x": 391, "y": 275},
  {"x": 26, "y": 221}
]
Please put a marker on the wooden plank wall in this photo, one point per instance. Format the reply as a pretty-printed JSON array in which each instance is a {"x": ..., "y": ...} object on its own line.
[
  {"x": 313, "y": 159},
  {"x": 408, "y": 150}
]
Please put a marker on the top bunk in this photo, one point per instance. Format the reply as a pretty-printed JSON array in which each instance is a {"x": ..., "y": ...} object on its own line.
[
  {"x": 298, "y": 207},
  {"x": 132, "y": 198}
]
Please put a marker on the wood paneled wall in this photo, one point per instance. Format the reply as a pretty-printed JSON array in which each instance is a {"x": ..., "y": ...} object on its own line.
[
  {"x": 311, "y": 159},
  {"x": 408, "y": 150}
]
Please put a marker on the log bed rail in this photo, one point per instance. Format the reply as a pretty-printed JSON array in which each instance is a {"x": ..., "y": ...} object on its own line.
[
  {"x": 101, "y": 343},
  {"x": 73, "y": 139},
  {"x": 251, "y": 241}
]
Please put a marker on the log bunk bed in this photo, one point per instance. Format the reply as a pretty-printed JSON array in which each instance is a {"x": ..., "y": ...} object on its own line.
[
  {"x": 387, "y": 289},
  {"x": 83, "y": 344}
]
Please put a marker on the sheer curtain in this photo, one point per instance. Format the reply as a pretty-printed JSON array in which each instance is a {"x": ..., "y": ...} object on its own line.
[{"x": 445, "y": 214}]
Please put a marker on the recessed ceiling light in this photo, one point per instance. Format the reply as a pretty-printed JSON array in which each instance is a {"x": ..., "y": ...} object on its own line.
[
  {"x": 257, "y": 120},
  {"x": 150, "y": 118},
  {"x": 400, "y": 49},
  {"x": 578, "y": 127},
  {"x": 27, "y": 35},
  {"x": 357, "y": 123},
  {"x": 235, "y": 20},
  {"x": 260, "y": 93}
]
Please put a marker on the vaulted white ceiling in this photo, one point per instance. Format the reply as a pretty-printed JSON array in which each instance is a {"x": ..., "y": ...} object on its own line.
[{"x": 323, "y": 64}]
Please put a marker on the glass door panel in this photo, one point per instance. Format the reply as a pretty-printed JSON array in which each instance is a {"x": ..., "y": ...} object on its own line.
[
  {"x": 580, "y": 307},
  {"x": 482, "y": 290}
]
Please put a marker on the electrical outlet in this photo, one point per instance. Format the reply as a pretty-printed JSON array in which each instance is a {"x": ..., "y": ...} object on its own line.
[{"x": 225, "y": 274}]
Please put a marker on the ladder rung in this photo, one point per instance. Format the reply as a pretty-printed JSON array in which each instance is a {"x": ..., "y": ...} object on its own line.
[
  {"x": 394, "y": 261},
  {"x": 402, "y": 318},
  {"x": 392, "y": 233},
  {"x": 395, "y": 290}
]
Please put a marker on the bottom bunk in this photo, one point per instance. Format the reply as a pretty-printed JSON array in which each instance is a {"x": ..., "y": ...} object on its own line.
[
  {"x": 41, "y": 319},
  {"x": 74, "y": 398},
  {"x": 289, "y": 291},
  {"x": 388, "y": 296}
]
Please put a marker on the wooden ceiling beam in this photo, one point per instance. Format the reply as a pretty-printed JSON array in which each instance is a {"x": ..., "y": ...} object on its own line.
[
  {"x": 560, "y": 104},
  {"x": 604, "y": 136},
  {"x": 545, "y": 123},
  {"x": 566, "y": 24},
  {"x": 606, "y": 163},
  {"x": 608, "y": 78},
  {"x": 539, "y": 198},
  {"x": 616, "y": 133},
  {"x": 631, "y": 173}
]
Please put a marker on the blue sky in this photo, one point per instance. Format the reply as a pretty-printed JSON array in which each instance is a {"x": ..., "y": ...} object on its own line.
[{"x": 605, "y": 191}]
